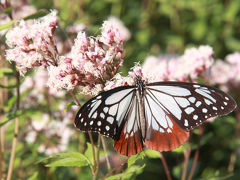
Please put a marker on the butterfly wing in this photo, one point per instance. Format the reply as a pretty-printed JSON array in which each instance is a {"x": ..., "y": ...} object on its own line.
[
  {"x": 114, "y": 114},
  {"x": 190, "y": 104},
  {"x": 173, "y": 108},
  {"x": 129, "y": 140}
]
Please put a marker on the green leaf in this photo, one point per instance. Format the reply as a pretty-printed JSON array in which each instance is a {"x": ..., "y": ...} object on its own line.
[
  {"x": 36, "y": 15},
  {"x": 5, "y": 71},
  {"x": 7, "y": 25},
  {"x": 67, "y": 159},
  {"x": 129, "y": 173},
  {"x": 34, "y": 176},
  {"x": 152, "y": 154},
  {"x": 89, "y": 153},
  {"x": 68, "y": 106},
  {"x": 10, "y": 116}
]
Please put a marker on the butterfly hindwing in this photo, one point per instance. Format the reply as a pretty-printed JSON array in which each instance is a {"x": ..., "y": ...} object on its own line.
[
  {"x": 162, "y": 134},
  {"x": 190, "y": 104},
  {"x": 128, "y": 141}
]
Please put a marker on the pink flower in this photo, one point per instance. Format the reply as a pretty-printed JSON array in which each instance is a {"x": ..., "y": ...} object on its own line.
[
  {"x": 193, "y": 63},
  {"x": 33, "y": 44},
  {"x": 118, "y": 24}
]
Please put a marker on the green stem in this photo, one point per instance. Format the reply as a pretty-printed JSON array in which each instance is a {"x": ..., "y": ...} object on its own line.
[{"x": 16, "y": 128}]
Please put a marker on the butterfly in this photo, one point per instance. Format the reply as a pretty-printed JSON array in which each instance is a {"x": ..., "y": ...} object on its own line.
[{"x": 156, "y": 115}]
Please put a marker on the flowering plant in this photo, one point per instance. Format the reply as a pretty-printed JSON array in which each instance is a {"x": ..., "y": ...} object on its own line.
[{"x": 49, "y": 77}]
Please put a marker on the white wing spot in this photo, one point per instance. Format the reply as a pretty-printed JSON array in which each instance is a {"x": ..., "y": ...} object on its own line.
[
  {"x": 207, "y": 91},
  {"x": 201, "y": 92},
  {"x": 171, "y": 90},
  {"x": 206, "y": 116},
  {"x": 81, "y": 120},
  {"x": 192, "y": 99},
  {"x": 196, "y": 86},
  {"x": 189, "y": 110},
  {"x": 162, "y": 130},
  {"x": 91, "y": 123},
  {"x": 99, "y": 123},
  {"x": 169, "y": 130},
  {"x": 116, "y": 97},
  {"x": 107, "y": 128},
  {"x": 113, "y": 110},
  {"x": 195, "y": 117},
  {"x": 105, "y": 109},
  {"x": 222, "y": 107},
  {"x": 102, "y": 115},
  {"x": 96, "y": 105},
  {"x": 204, "y": 110},
  {"x": 186, "y": 122},
  {"x": 198, "y": 103},
  {"x": 183, "y": 102},
  {"x": 85, "y": 124},
  {"x": 214, "y": 108},
  {"x": 225, "y": 103},
  {"x": 207, "y": 101},
  {"x": 226, "y": 98},
  {"x": 79, "y": 115},
  {"x": 169, "y": 122},
  {"x": 94, "y": 115},
  {"x": 99, "y": 97},
  {"x": 110, "y": 120}
]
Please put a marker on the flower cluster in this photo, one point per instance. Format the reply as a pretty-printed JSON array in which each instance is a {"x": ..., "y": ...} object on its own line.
[
  {"x": 192, "y": 64},
  {"x": 33, "y": 44},
  {"x": 117, "y": 23},
  {"x": 91, "y": 62},
  {"x": 58, "y": 131},
  {"x": 227, "y": 73}
]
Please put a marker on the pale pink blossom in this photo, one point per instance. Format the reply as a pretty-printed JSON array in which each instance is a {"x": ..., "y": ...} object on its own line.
[
  {"x": 33, "y": 45},
  {"x": 226, "y": 74},
  {"x": 75, "y": 28},
  {"x": 91, "y": 62},
  {"x": 192, "y": 64},
  {"x": 117, "y": 23}
]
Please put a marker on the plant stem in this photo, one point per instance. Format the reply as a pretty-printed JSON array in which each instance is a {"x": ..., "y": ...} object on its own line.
[
  {"x": 90, "y": 137},
  {"x": 16, "y": 128},
  {"x": 186, "y": 159},
  {"x": 105, "y": 150},
  {"x": 196, "y": 155},
  {"x": 165, "y": 166},
  {"x": 233, "y": 156},
  {"x": 116, "y": 168},
  {"x": 97, "y": 159}
]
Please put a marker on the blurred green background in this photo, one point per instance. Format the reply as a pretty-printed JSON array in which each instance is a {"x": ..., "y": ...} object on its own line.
[{"x": 160, "y": 26}]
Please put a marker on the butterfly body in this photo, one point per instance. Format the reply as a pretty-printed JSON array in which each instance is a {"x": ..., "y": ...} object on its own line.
[{"x": 157, "y": 115}]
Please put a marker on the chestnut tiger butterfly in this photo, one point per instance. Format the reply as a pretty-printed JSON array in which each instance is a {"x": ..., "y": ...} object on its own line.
[{"x": 156, "y": 115}]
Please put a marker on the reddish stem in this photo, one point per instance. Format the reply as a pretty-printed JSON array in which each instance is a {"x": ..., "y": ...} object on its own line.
[{"x": 165, "y": 166}]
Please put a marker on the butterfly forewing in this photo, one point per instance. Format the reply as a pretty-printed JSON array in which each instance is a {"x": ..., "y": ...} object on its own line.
[
  {"x": 189, "y": 104},
  {"x": 105, "y": 112}
]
